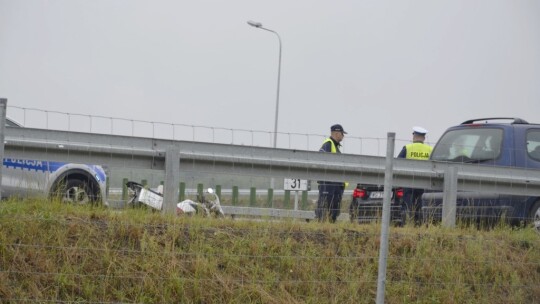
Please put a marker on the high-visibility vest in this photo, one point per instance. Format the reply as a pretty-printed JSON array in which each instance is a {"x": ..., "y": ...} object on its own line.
[
  {"x": 333, "y": 149},
  {"x": 333, "y": 145},
  {"x": 418, "y": 151}
]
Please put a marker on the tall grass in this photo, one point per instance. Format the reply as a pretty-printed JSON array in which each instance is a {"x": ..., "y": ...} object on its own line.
[{"x": 53, "y": 252}]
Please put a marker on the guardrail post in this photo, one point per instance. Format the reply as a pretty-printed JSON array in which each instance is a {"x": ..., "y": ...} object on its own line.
[
  {"x": 200, "y": 190},
  {"x": 3, "y": 105},
  {"x": 270, "y": 198},
  {"x": 235, "y": 195},
  {"x": 172, "y": 179},
  {"x": 124, "y": 189},
  {"x": 304, "y": 200},
  {"x": 287, "y": 199},
  {"x": 252, "y": 196},
  {"x": 218, "y": 191},
  {"x": 107, "y": 184},
  {"x": 449, "y": 198},
  {"x": 182, "y": 192}
]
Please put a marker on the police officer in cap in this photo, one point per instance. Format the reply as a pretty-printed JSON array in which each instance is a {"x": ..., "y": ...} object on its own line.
[
  {"x": 418, "y": 150},
  {"x": 330, "y": 193}
]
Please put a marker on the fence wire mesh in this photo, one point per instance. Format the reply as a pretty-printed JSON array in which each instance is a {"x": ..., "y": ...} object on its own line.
[{"x": 69, "y": 262}]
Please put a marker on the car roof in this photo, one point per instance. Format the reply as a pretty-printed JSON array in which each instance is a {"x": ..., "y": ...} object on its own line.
[
  {"x": 504, "y": 122},
  {"x": 498, "y": 120}
]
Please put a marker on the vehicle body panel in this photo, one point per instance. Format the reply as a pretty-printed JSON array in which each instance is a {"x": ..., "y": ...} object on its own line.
[
  {"x": 368, "y": 208},
  {"x": 24, "y": 177},
  {"x": 489, "y": 144}
]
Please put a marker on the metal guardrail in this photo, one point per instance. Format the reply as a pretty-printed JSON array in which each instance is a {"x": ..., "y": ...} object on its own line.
[
  {"x": 199, "y": 157},
  {"x": 148, "y": 153}
]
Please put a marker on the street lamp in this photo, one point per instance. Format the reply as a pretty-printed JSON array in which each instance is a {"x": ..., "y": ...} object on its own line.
[{"x": 259, "y": 25}]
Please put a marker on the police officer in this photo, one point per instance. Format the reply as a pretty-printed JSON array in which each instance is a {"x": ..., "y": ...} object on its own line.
[
  {"x": 411, "y": 207},
  {"x": 330, "y": 193}
]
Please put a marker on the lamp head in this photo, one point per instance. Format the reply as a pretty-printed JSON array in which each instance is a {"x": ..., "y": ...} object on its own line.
[{"x": 254, "y": 24}]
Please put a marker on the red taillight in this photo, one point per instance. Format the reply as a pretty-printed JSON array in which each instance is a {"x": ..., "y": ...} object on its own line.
[
  {"x": 399, "y": 193},
  {"x": 359, "y": 193}
]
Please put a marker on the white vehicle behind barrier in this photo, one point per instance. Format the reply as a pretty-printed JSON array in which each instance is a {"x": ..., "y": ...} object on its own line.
[{"x": 70, "y": 182}]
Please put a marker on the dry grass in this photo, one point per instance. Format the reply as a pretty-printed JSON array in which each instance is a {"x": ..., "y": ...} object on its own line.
[{"x": 52, "y": 252}]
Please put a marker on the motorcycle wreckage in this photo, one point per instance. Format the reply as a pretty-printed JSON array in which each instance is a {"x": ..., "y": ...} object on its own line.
[{"x": 154, "y": 198}]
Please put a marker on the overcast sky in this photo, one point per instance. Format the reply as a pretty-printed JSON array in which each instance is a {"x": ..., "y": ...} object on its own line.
[{"x": 373, "y": 66}]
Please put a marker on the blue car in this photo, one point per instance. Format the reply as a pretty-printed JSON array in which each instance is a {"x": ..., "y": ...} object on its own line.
[
  {"x": 506, "y": 142},
  {"x": 69, "y": 182}
]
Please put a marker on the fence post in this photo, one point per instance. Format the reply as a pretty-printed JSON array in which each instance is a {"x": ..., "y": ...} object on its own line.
[
  {"x": 172, "y": 179},
  {"x": 3, "y": 105},
  {"x": 385, "y": 225},
  {"x": 449, "y": 198}
]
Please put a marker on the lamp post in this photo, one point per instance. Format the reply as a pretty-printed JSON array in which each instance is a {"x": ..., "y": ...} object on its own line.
[{"x": 259, "y": 25}]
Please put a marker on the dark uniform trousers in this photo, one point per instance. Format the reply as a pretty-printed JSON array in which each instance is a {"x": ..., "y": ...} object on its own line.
[
  {"x": 412, "y": 205},
  {"x": 329, "y": 202}
]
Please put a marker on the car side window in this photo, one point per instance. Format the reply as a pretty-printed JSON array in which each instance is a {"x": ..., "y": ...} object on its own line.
[
  {"x": 533, "y": 144},
  {"x": 469, "y": 144}
]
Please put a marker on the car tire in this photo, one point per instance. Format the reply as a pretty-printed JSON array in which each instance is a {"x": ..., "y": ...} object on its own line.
[
  {"x": 75, "y": 191},
  {"x": 535, "y": 216}
]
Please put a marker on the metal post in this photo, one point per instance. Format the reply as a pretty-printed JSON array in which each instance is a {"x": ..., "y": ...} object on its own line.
[
  {"x": 287, "y": 199},
  {"x": 304, "y": 200},
  {"x": 277, "y": 94},
  {"x": 3, "y": 105},
  {"x": 383, "y": 252},
  {"x": 124, "y": 190},
  {"x": 253, "y": 197},
  {"x": 235, "y": 199},
  {"x": 270, "y": 198},
  {"x": 259, "y": 25},
  {"x": 449, "y": 198},
  {"x": 172, "y": 179},
  {"x": 182, "y": 193}
]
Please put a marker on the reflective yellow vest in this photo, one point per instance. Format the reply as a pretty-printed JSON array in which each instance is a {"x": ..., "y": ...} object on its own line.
[
  {"x": 333, "y": 145},
  {"x": 418, "y": 151},
  {"x": 334, "y": 150}
]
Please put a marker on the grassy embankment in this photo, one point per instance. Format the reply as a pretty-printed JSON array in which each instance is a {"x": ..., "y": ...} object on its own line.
[{"x": 51, "y": 252}]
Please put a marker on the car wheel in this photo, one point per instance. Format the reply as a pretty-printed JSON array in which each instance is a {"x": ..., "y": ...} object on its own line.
[
  {"x": 75, "y": 191},
  {"x": 535, "y": 215}
]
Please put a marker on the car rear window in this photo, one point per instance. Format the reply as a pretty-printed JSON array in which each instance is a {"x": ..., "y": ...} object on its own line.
[{"x": 469, "y": 145}]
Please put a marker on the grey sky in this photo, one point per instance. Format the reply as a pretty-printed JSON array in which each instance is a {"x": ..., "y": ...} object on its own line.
[{"x": 373, "y": 66}]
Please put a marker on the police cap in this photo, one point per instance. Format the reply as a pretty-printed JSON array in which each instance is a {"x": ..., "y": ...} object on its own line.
[
  {"x": 337, "y": 128},
  {"x": 419, "y": 130}
]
